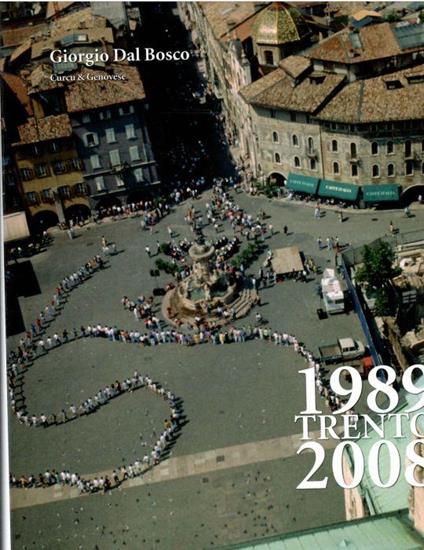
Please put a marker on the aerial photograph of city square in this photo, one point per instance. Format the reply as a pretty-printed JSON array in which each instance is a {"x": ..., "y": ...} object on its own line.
[{"x": 209, "y": 209}]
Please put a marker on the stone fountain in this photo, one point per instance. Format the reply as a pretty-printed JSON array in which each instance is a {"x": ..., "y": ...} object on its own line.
[{"x": 200, "y": 294}]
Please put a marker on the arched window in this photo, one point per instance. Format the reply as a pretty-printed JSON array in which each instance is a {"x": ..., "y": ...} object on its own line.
[
  {"x": 408, "y": 148},
  {"x": 310, "y": 144},
  {"x": 354, "y": 170},
  {"x": 390, "y": 170},
  {"x": 312, "y": 164},
  {"x": 390, "y": 147},
  {"x": 269, "y": 57},
  {"x": 297, "y": 162},
  {"x": 295, "y": 140},
  {"x": 353, "y": 151},
  {"x": 374, "y": 148},
  {"x": 336, "y": 168},
  {"x": 375, "y": 171},
  {"x": 277, "y": 158},
  {"x": 275, "y": 137},
  {"x": 334, "y": 146},
  {"x": 409, "y": 168}
]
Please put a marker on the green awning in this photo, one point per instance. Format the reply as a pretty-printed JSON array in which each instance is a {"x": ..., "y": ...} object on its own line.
[
  {"x": 381, "y": 193},
  {"x": 337, "y": 190},
  {"x": 304, "y": 184}
]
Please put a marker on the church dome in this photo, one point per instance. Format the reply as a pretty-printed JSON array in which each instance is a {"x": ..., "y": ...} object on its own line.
[{"x": 279, "y": 24}]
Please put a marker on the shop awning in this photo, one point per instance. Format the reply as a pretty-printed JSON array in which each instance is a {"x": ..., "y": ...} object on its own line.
[
  {"x": 304, "y": 184},
  {"x": 338, "y": 190},
  {"x": 381, "y": 193}
]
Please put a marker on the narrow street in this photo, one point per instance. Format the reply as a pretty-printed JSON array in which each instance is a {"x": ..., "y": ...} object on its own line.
[{"x": 186, "y": 133}]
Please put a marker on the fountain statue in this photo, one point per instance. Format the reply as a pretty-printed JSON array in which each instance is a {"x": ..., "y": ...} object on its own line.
[{"x": 204, "y": 290}]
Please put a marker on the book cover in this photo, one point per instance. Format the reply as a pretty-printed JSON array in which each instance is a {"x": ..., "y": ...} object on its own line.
[{"x": 212, "y": 274}]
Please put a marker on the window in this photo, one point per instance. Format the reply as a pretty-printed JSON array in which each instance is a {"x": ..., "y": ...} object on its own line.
[
  {"x": 269, "y": 57},
  {"x": 42, "y": 170},
  {"x": 295, "y": 140},
  {"x": 422, "y": 168},
  {"x": 100, "y": 183},
  {"x": 375, "y": 171},
  {"x": 334, "y": 146},
  {"x": 353, "y": 150},
  {"x": 390, "y": 170},
  {"x": 134, "y": 153},
  {"x": 390, "y": 147},
  {"x": 310, "y": 144},
  {"x": 297, "y": 162},
  {"x": 336, "y": 168},
  {"x": 354, "y": 170},
  {"x": 32, "y": 198},
  {"x": 26, "y": 174},
  {"x": 95, "y": 162},
  {"x": 46, "y": 195},
  {"x": 130, "y": 131},
  {"x": 374, "y": 148},
  {"x": 138, "y": 174},
  {"x": 115, "y": 159},
  {"x": 86, "y": 118},
  {"x": 408, "y": 148},
  {"x": 59, "y": 167},
  {"x": 54, "y": 147},
  {"x": 36, "y": 150},
  {"x": 272, "y": 113},
  {"x": 91, "y": 139},
  {"x": 277, "y": 158},
  {"x": 80, "y": 190},
  {"x": 64, "y": 192},
  {"x": 74, "y": 164},
  {"x": 275, "y": 137},
  {"x": 127, "y": 109},
  {"x": 293, "y": 117},
  {"x": 409, "y": 168},
  {"x": 110, "y": 135},
  {"x": 105, "y": 115},
  {"x": 119, "y": 181},
  {"x": 312, "y": 164}
]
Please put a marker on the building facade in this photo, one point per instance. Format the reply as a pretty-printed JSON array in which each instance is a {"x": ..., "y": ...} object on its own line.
[
  {"x": 310, "y": 119},
  {"x": 82, "y": 142}
]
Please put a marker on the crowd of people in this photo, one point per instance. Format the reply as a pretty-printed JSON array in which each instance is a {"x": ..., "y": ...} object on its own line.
[
  {"x": 36, "y": 342},
  {"x": 89, "y": 406}
]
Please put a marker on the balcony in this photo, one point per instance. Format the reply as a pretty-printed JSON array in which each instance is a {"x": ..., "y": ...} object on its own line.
[
  {"x": 353, "y": 158},
  {"x": 311, "y": 152}
]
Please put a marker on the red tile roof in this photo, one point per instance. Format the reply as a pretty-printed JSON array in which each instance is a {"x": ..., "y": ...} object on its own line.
[
  {"x": 44, "y": 129},
  {"x": 92, "y": 93}
]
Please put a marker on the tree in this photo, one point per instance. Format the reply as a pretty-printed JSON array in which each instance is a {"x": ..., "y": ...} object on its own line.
[
  {"x": 393, "y": 16},
  {"x": 383, "y": 304},
  {"x": 377, "y": 269}
]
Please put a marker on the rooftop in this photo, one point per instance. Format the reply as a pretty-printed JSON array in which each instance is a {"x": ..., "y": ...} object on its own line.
[
  {"x": 278, "y": 91},
  {"x": 223, "y": 17},
  {"x": 295, "y": 65},
  {"x": 279, "y": 24},
  {"x": 379, "y": 500},
  {"x": 18, "y": 87},
  {"x": 389, "y": 531},
  {"x": 90, "y": 93},
  {"x": 368, "y": 43},
  {"x": 44, "y": 129},
  {"x": 396, "y": 96},
  {"x": 88, "y": 36}
]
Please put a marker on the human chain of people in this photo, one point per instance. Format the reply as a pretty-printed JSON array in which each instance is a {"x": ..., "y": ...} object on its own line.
[{"x": 36, "y": 343}]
